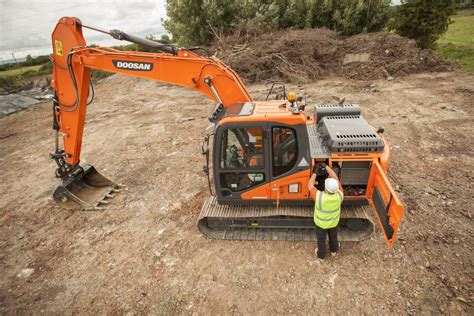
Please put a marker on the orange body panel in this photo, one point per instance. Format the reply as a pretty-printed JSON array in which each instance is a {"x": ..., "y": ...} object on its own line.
[
  {"x": 396, "y": 210},
  {"x": 66, "y": 36},
  {"x": 186, "y": 69},
  {"x": 270, "y": 111},
  {"x": 278, "y": 189}
]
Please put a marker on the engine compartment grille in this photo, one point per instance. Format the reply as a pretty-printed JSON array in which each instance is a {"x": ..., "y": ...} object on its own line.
[{"x": 349, "y": 133}]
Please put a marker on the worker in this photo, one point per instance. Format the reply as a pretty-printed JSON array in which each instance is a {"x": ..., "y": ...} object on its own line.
[{"x": 327, "y": 209}]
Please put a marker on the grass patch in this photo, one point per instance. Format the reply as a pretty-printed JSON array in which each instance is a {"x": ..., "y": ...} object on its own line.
[
  {"x": 19, "y": 71},
  {"x": 461, "y": 54},
  {"x": 18, "y": 76},
  {"x": 458, "y": 42}
]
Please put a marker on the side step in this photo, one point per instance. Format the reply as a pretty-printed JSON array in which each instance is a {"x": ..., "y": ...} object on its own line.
[{"x": 232, "y": 222}]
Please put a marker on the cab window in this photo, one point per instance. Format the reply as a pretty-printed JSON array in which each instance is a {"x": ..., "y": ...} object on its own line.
[
  {"x": 242, "y": 148},
  {"x": 239, "y": 181},
  {"x": 284, "y": 150}
]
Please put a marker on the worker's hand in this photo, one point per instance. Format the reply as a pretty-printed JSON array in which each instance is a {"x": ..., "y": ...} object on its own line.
[
  {"x": 328, "y": 168},
  {"x": 319, "y": 168}
]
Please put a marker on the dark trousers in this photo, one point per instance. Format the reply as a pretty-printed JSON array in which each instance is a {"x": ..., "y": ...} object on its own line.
[{"x": 321, "y": 235}]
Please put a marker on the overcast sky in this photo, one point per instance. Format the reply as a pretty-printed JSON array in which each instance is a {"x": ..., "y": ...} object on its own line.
[{"x": 26, "y": 25}]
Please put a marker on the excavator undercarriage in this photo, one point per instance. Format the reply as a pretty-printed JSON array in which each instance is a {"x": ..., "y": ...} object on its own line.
[{"x": 233, "y": 222}]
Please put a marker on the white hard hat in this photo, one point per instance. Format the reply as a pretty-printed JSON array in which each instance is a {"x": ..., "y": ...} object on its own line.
[{"x": 331, "y": 185}]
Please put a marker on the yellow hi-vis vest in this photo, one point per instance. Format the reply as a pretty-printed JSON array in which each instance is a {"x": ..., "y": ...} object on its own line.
[{"x": 327, "y": 209}]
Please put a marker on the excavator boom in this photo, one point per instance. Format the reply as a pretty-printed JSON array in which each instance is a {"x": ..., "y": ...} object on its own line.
[{"x": 71, "y": 81}]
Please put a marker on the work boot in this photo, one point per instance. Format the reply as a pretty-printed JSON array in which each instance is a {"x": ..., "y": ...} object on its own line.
[
  {"x": 316, "y": 254},
  {"x": 338, "y": 248}
]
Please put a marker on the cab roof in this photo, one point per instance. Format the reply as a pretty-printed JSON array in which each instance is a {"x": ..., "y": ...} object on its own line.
[{"x": 263, "y": 111}]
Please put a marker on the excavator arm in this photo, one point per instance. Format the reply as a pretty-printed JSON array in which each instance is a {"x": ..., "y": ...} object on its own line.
[{"x": 72, "y": 64}]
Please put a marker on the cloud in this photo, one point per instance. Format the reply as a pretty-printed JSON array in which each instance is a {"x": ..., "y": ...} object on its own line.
[{"x": 26, "y": 26}]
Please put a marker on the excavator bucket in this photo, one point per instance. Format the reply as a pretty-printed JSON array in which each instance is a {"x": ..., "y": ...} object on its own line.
[{"x": 87, "y": 189}]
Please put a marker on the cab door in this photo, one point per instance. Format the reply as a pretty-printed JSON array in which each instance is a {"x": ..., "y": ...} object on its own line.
[
  {"x": 386, "y": 203},
  {"x": 289, "y": 161},
  {"x": 240, "y": 163}
]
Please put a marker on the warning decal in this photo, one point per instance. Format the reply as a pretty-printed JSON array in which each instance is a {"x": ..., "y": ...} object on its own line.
[
  {"x": 303, "y": 163},
  {"x": 58, "y": 47}
]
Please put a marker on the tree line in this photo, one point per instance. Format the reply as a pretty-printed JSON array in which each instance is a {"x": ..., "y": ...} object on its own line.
[{"x": 199, "y": 22}]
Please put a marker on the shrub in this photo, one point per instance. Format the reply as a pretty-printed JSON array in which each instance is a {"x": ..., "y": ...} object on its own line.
[{"x": 423, "y": 20}]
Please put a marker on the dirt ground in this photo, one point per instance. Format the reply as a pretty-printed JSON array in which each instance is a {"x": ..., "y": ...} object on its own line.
[{"x": 144, "y": 254}]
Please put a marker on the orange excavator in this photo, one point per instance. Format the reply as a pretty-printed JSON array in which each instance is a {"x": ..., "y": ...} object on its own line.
[{"x": 263, "y": 152}]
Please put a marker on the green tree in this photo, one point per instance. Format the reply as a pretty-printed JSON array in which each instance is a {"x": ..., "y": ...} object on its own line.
[
  {"x": 165, "y": 39},
  {"x": 353, "y": 17},
  {"x": 199, "y": 22},
  {"x": 423, "y": 20}
]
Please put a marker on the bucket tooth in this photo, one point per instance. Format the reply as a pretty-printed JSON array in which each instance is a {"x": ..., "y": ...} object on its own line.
[{"x": 84, "y": 187}]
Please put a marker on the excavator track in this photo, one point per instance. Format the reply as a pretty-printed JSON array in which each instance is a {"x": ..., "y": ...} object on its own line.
[{"x": 231, "y": 222}]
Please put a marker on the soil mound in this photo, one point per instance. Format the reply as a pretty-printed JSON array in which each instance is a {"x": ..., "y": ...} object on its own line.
[{"x": 306, "y": 55}]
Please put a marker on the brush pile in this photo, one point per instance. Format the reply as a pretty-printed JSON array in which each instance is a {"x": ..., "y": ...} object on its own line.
[{"x": 306, "y": 55}]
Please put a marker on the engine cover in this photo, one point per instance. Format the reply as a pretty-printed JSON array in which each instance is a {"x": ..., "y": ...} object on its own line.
[{"x": 349, "y": 133}]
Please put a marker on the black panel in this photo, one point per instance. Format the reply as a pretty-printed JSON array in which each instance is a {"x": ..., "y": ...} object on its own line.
[{"x": 381, "y": 209}]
